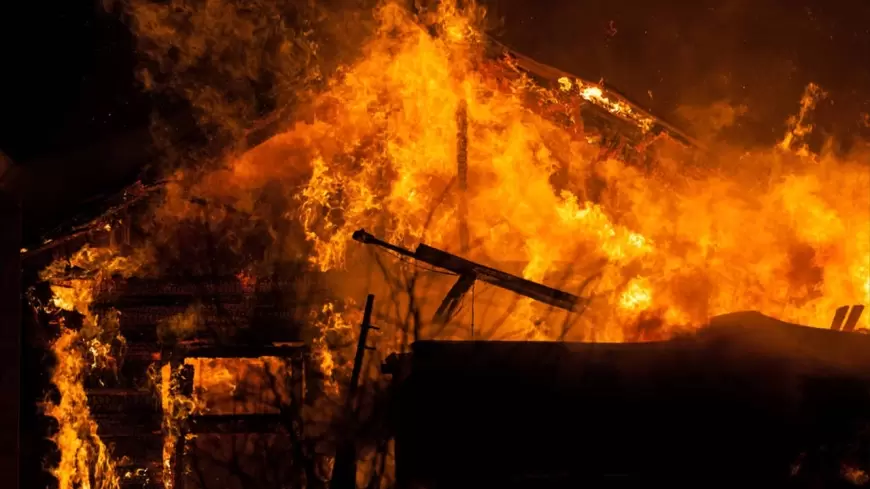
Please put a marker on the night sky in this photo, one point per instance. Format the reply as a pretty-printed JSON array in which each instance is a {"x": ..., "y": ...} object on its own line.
[
  {"x": 760, "y": 53},
  {"x": 68, "y": 68}
]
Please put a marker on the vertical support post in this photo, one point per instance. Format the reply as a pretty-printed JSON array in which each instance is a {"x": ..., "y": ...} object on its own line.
[
  {"x": 181, "y": 384},
  {"x": 344, "y": 473},
  {"x": 462, "y": 172},
  {"x": 360, "y": 351},
  {"x": 10, "y": 339},
  {"x": 297, "y": 390}
]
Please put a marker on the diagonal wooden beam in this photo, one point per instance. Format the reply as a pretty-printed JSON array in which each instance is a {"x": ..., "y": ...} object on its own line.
[
  {"x": 454, "y": 296},
  {"x": 461, "y": 266}
]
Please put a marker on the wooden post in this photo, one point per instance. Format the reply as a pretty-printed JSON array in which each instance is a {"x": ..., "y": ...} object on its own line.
[
  {"x": 181, "y": 384},
  {"x": 462, "y": 172},
  {"x": 344, "y": 473}
]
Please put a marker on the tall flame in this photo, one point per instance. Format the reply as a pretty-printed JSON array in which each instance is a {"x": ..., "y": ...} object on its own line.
[
  {"x": 85, "y": 461},
  {"x": 780, "y": 231}
]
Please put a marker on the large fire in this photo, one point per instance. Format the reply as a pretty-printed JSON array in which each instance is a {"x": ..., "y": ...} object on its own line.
[{"x": 782, "y": 231}]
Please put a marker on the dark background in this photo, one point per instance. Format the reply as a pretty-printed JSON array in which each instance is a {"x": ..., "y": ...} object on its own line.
[{"x": 72, "y": 112}]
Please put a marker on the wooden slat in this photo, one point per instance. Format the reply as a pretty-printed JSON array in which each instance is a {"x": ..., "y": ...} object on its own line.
[
  {"x": 519, "y": 285},
  {"x": 237, "y": 423}
]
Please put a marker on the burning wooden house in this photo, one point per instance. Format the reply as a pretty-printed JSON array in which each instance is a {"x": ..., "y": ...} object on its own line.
[
  {"x": 184, "y": 316},
  {"x": 747, "y": 401}
]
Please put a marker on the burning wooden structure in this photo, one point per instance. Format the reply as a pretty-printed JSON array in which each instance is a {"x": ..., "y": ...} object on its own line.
[
  {"x": 465, "y": 414},
  {"x": 180, "y": 335},
  {"x": 748, "y": 398}
]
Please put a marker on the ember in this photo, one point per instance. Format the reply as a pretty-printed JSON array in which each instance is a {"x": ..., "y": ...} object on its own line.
[{"x": 209, "y": 322}]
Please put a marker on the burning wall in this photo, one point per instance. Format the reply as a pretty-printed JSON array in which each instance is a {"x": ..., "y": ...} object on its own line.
[{"x": 660, "y": 242}]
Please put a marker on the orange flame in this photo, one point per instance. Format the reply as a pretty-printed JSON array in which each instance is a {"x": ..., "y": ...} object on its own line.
[
  {"x": 85, "y": 461},
  {"x": 782, "y": 231}
]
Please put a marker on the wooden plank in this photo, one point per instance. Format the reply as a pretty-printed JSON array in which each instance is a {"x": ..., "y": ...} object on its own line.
[
  {"x": 519, "y": 285},
  {"x": 461, "y": 266},
  {"x": 236, "y": 423},
  {"x": 122, "y": 401},
  {"x": 240, "y": 351}
]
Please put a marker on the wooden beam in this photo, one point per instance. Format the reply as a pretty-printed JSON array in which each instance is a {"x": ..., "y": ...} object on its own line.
[
  {"x": 236, "y": 351},
  {"x": 461, "y": 266},
  {"x": 462, "y": 171},
  {"x": 344, "y": 474},
  {"x": 236, "y": 423}
]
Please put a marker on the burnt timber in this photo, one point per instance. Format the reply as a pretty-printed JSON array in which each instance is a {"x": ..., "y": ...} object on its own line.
[
  {"x": 127, "y": 409},
  {"x": 748, "y": 401},
  {"x": 469, "y": 271}
]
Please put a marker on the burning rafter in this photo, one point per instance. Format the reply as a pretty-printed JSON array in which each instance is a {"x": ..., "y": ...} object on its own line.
[
  {"x": 470, "y": 271},
  {"x": 604, "y": 98}
]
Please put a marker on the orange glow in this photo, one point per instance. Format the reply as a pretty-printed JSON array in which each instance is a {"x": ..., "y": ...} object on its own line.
[
  {"x": 239, "y": 385},
  {"x": 782, "y": 231}
]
